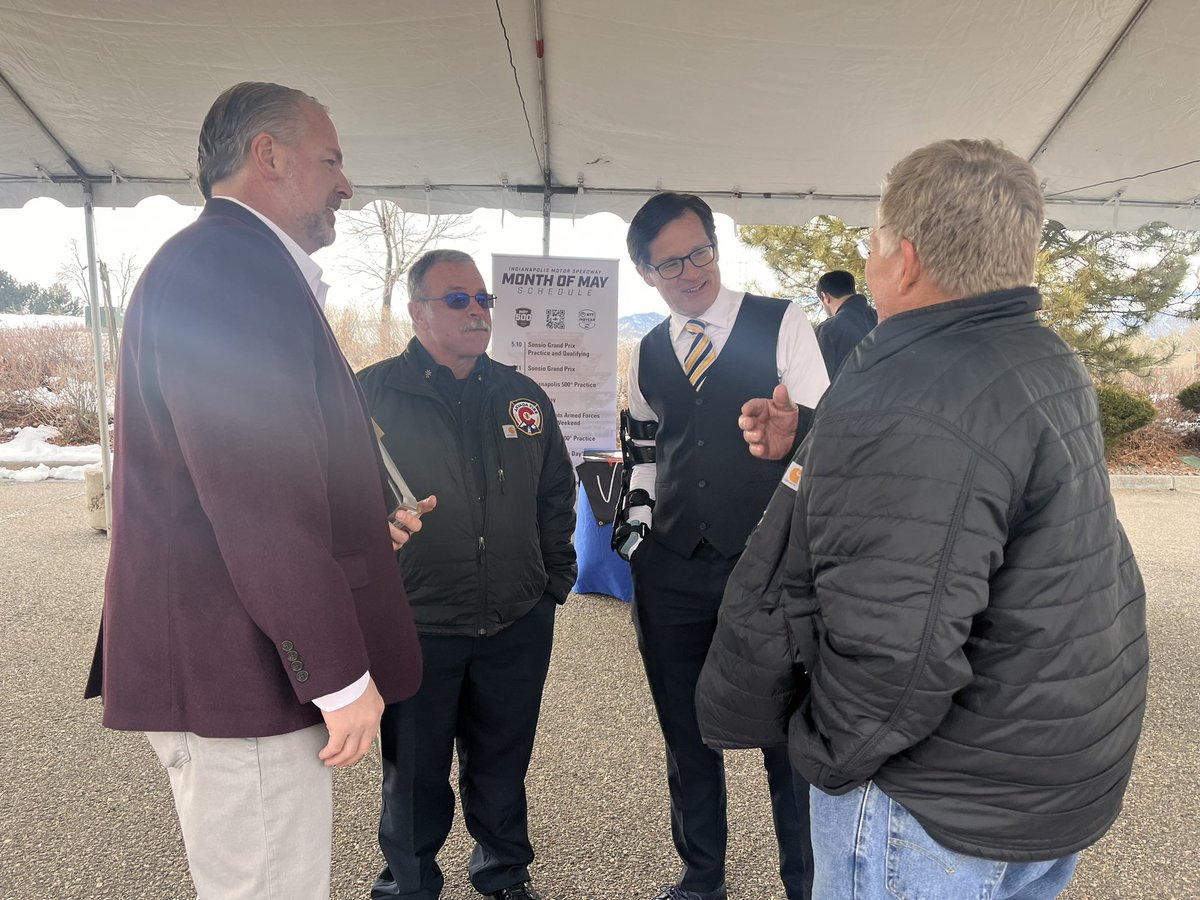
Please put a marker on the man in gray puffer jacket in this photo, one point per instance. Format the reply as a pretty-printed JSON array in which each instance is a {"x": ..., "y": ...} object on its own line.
[{"x": 940, "y": 605}]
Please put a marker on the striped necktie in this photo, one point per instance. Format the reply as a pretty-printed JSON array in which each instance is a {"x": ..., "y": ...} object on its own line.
[{"x": 700, "y": 355}]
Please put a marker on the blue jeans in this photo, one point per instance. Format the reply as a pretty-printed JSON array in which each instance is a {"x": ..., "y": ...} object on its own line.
[{"x": 868, "y": 847}]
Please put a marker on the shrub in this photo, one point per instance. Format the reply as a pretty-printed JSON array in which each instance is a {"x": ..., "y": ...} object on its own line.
[
  {"x": 47, "y": 377},
  {"x": 368, "y": 335},
  {"x": 1121, "y": 412},
  {"x": 1189, "y": 397}
]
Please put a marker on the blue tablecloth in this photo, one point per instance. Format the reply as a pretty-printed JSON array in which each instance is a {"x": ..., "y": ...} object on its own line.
[{"x": 601, "y": 571}]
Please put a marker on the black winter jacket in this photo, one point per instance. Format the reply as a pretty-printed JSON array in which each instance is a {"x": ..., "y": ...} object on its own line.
[
  {"x": 841, "y": 332},
  {"x": 487, "y": 553},
  {"x": 957, "y": 586}
]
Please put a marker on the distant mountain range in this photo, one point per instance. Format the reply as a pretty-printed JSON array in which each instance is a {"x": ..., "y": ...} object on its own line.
[{"x": 632, "y": 328}]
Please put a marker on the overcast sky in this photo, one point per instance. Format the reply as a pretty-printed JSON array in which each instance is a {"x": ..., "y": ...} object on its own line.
[{"x": 34, "y": 245}]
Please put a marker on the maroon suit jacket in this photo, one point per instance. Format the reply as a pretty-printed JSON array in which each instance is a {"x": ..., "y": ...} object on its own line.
[{"x": 250, "y": 568}]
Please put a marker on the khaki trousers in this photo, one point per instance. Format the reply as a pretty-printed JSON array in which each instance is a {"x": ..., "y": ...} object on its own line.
[{"x": 256, "y": 813}]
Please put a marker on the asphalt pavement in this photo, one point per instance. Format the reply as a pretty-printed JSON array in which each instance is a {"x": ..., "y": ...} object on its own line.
[{"x": 86, "y": 812}]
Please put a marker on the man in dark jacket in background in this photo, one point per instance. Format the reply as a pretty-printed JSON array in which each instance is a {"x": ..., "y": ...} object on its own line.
[
  {"x": 484, "y": 586},
  {"x": 954, "y": 577},
  {"x": 851, "y": 317}
]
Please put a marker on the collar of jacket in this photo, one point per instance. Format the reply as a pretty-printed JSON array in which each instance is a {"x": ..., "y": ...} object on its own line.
[
  {"x": 900, "y": 331},
  {"x": 218, "y": 207},
  {"x": 852, "y": 301},
  {"x": 415, "y": 369}
]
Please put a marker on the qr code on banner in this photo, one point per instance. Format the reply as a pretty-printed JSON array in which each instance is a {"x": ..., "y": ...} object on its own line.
[{"x": 556, "y": 319}]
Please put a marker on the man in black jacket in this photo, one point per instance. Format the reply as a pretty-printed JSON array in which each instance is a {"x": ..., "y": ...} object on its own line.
[
  {"x": 851, "y": 317},
  {"x": 688, "y": 379},
  {"x": 484, "y": 586},
  {"x": 954, "y": 578}
]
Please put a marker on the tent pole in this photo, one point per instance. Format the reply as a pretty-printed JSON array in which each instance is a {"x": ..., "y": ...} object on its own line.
[
  {"x": 546, "y": 221},
  {"x": 539, "y": 36},
  {"x": 98, "y": 350}
]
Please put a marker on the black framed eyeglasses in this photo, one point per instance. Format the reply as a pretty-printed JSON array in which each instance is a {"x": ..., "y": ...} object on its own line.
[
  {"x": 673, "y": 268},
  {"x": 459, "y": 300}
]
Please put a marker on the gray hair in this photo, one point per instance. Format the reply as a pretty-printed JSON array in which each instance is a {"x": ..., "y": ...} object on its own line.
[
  {"x": 425, "y": 262},
  {"x": 237, "y": 117},
  {"x": 972, "y": 209}
]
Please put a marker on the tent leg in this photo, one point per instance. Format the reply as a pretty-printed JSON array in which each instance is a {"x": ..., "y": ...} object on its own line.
[
  {"x": 98, "y": 350},
  {"x": 546, "y": 221}
]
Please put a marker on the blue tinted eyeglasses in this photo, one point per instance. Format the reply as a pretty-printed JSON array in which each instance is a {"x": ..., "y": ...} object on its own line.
[{"x": 459, "y": 300}]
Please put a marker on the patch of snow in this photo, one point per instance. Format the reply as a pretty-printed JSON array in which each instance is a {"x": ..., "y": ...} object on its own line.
[
  {"x": 42, "y": 472},
  {"x": 29, "y": 320},
  {"x": 31, "y": 445}
]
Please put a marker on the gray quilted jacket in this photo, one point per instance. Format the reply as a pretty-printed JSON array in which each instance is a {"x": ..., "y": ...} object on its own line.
[{"x": 951, "y": 575}]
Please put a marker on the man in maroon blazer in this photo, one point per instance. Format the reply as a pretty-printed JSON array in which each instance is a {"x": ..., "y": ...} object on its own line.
[{"x": 254, "y": 620}]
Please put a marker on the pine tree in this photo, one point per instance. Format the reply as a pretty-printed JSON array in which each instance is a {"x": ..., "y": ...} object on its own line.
[{"x": 1100, "y": 289}]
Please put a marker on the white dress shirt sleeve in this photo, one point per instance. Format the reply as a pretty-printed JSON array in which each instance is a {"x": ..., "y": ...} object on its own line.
[
  {"x": 344, "y": 697},
  {"x": 798, "y": 358},
  {"x": 643, "y": 474}
]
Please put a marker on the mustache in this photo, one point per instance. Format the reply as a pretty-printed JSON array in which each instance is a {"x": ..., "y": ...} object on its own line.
[{"x": 476, "y": 325}]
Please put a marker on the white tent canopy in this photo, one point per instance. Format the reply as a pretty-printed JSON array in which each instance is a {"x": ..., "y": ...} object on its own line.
[{"x": 775, "y": 110}]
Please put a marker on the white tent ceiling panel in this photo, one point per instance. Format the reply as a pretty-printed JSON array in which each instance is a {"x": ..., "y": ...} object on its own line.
[
  {"x": 777, "y": 111},
  {"x": 1141, "y": 115}
]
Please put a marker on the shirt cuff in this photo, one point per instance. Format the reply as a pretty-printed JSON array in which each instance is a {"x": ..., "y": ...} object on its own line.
[{"x": 345, "y": 696}]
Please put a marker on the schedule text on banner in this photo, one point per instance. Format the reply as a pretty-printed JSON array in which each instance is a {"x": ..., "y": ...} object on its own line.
[{"x": 556, "y": 320}]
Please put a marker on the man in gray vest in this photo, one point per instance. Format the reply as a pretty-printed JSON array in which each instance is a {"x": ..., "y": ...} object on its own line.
[{"x": 690, "y": 511}]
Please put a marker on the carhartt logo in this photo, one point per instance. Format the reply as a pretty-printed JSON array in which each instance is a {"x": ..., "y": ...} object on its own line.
[{"x": 792, "y": 476}]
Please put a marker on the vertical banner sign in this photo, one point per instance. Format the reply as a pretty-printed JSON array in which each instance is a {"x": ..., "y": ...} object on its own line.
[{"x": 556, "y": 320}]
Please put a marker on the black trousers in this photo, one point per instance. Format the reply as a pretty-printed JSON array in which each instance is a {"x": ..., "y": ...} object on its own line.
[
  {"x": 482, "y": 694},
  {"x": 675, "y": 603}
]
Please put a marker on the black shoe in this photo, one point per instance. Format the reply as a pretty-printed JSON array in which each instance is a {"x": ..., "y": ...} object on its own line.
[
  {"x": 522, "y": 891},
  {"x": 675, "y": 892}
]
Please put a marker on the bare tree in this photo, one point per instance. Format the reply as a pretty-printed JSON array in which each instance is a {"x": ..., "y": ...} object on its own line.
[
  {"x": 387, "y": 241},
  {"x": 116, "y": 285},
  {"x": 116, "y": 282}
]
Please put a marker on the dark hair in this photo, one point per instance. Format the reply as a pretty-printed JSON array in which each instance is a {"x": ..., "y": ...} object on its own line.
[
  {"x": 425, "y": 262},
  {"x": 836, "y": 284},
  {"x": 237, "y": 117},
  {"x": 659, "y": 212}
]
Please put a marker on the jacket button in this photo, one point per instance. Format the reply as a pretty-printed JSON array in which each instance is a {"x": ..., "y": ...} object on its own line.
[
  {"x": 701, "y": 483},
  {"x": 302, "y": 676},
  {"x": 699, "y": 401},
  {"x": 288, "y": 645},
  {"x": 292, "y": 656},
  {"x": 297, "y": 665},
  {"x": 703, "y": 526},
  {"x": 700, "y": 443}
]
